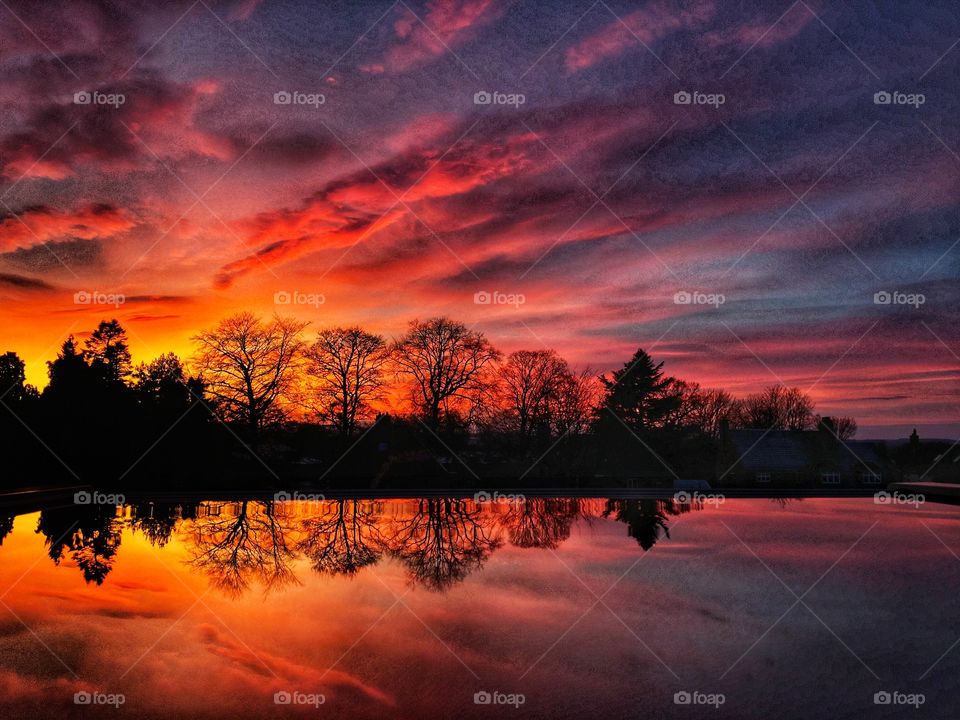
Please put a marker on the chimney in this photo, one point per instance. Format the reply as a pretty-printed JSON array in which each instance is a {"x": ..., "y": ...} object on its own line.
[
  {"x": 724, "y": 429},
  {"x": 827, "y": 425}
]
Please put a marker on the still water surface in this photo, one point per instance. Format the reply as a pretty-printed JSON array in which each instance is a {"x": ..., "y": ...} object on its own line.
[{"x": 547, "y": 608}]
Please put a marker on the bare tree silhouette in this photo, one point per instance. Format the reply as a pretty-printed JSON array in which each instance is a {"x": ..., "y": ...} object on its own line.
[
  {"x": 249, "y": 366},
  {"x": 443, "y": 541},
  {"x": 348, "y": 367},
  {"x": 236, "y": 548},
  {"x": 778, "y": 407},
  {"x": 540, "y": 522},
  {"x": 343, "y": 538},
  {"x": 444, "y": 361}
]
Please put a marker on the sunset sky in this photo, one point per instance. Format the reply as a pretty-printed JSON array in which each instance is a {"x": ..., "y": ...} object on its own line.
[{"x": 595, "y": 201}]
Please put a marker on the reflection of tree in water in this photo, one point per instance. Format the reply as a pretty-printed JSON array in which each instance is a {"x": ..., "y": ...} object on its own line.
[
  {"x": 6, "y": 526},
  {"x": 235, "y": 548},
  {"x": 157, "y": 521},
  {"x": 90, "y": 534},
  {"x": 340, "y": 541},
  {"x": 442, "y": 542},
  {"x": 646, "y": 519},
  {"x": 541, "y": 522}
]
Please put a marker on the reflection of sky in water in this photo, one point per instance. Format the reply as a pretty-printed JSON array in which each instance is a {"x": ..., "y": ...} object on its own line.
[{"x": 415, "y": 633}]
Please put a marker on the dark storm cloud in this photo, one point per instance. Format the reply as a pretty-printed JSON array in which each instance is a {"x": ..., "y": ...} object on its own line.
[
  {"x": 23, "y": 282},
  {"x": 75, "y": 252}
]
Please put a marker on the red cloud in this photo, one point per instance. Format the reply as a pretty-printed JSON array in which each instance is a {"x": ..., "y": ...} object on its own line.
[
  {"x": 318, "y": 226},
  {"x": 762, "y": 33},
  {"x": 658, "y": 19},
  {"x": 42, "y": 224},
  {"x": 360, "y": 206},
  {"x": 243, "y": 10},
  {"x": 155, "y": 118},
  {"x": 446, "y": 25}
]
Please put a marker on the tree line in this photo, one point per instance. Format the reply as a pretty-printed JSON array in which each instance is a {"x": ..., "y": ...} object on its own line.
[
  {"x": 250, "y": 376},
  {"x": 261, "y": 371}
]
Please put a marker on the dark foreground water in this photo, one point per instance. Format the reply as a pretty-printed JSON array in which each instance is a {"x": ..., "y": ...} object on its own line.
[{"x": 558, "y": 608}]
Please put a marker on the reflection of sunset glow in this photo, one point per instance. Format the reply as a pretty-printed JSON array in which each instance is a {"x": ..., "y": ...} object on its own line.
[{"x": 163, "y": 616}]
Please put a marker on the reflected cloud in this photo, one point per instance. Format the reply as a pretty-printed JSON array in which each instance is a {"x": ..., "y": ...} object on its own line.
[{"x": 270, "y": 671}]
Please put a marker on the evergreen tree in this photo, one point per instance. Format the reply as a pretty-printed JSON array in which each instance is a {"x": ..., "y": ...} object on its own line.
[
  {"x": 108, "y": 352},
  {"x": 639, "y": 393},
  {"x": 162, "y": 384},
  {"x": 69, "y": 373},
  {"x": 12, "y": 378}
]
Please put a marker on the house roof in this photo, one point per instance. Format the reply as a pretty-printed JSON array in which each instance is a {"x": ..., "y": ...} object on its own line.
[
  {"x": 796, "y": 450},
  {"x": 774, "y": 450}
]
